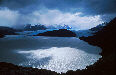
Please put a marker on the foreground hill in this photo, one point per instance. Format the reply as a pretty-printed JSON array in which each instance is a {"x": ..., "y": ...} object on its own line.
[
  {"x": 10, "y": 69},
  {"x": 106, "y": 39},
  {"x": 58, "y": 33}
]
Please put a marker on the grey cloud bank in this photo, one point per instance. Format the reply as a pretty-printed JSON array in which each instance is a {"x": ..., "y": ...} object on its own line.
[
  {"x": 85, "y": 6},
  {"x": 57, "y": 12}
]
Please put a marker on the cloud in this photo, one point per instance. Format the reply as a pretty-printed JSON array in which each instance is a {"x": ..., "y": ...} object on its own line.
[
  {"x": 53, "y": 17},
  {"x": 8, "y": 17},
  {"x": 77, "y": 13},
  {"x": 49, "y": 17},
  {"x": 88, "y": 7}
]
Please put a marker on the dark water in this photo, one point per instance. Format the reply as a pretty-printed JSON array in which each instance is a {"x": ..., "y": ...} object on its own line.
[{"x": 58, "y": 54}]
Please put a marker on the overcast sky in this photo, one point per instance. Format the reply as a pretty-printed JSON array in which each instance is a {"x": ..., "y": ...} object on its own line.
[{"x": 81, "y": 14}]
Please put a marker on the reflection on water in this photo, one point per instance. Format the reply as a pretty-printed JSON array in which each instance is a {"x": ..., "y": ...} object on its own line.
[
  {"x": 59, "y": 59},
  {"x": 58, "y": 54}
]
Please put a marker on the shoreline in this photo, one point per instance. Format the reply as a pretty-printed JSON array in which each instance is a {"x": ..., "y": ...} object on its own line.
[{"x": 36, "y": 71}]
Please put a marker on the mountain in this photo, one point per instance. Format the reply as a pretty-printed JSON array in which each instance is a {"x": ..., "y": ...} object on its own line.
[
  {"x": 64, "y": 27},
  {"x": 28, "y": 27},
  {"x": 90, "y": 32},
  {"x": 106, "y": 39},
  {"x": 98, "y": 27},
  {"x": 7, "y": 31},
  {"x": 55, "y": 26},
  {"x": 58, "y": 33}
]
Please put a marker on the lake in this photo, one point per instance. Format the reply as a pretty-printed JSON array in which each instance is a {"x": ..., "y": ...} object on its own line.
[{"x": 58, "y": 54}]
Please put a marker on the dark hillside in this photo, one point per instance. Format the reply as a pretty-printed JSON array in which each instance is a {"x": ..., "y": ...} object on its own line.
[
  {"x": 106, "y": 39},
  {"x": 58, "y": 33}
]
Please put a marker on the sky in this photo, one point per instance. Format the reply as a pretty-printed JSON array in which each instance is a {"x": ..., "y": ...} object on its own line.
[{"x": 80, "y": 14}]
